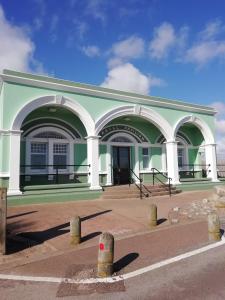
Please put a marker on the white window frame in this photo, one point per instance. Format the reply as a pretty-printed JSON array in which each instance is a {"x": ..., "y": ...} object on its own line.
[
  {"x": 50, "y": 142},
  {"x": 148, "y": 156}
]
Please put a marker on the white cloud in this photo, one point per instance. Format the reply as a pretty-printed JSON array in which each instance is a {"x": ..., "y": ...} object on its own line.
[
  {"x": 220, "y": 126},
  {"x": 164, "y": 38},
  {"x": 210, "y": 45},
  {"x": 128, "y": 78},
  {"x": 205, "y": 51},
  {"x": 16, "y": 48},
  {"x": 96, "y": 9},
  {"x": 91, "y": 51},
  {"x": 211, "y": 30},
  {"x": 132, "y": 47}
]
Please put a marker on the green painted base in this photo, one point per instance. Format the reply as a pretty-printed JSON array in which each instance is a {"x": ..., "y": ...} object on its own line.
[
  {"x": 194, "y": 186},
  {"x": 58, "y": 195}
]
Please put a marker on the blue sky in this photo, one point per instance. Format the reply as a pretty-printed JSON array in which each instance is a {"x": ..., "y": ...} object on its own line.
[{"x": 173, "y": 49}]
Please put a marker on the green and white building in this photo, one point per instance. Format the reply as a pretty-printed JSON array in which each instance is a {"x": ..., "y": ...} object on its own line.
[{"x": 54, "y": 131}]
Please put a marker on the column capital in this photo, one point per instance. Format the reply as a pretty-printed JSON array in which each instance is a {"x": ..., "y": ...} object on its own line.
[
  {"x": 171, "y": 142},
  {"x": 211, "y": 144},
  {"x": 10, "y": 132},
  {"x": 92, "y": 137}
]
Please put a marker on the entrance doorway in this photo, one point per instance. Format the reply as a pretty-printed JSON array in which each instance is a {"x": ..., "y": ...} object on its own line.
[{"x": 121, "y": 165}]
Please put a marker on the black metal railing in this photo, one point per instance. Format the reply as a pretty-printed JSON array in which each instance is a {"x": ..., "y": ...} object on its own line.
[
  {"x": 192, "y": 169},
  {"x": 43, "y": 170},
  {"x": 155, "y": 173},
  {"x": 141, "y": 186}
]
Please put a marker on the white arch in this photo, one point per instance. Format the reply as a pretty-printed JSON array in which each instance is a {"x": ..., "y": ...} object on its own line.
[
  {"x": 58, "y": 100},
  {"x": 202, "y": 126},
  {"x": 146, "y": 113}
]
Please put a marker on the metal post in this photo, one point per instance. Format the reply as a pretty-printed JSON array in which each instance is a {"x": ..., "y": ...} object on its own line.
[
  {"x": 75, "y": 230},
  {"x": 214, "y": 227},
  {"x": 152, "y": 215},
  {"x": 153, "y": 179},
  {"x": 170, "y": 187},
  {"x": 105, "y": 255},
  {"x": 3, "y": 214},
  {"x": 57, "y": 175}
]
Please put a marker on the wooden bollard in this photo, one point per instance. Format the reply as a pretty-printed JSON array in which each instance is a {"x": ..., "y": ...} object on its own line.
[
  {"x": 3, "y": 213},
  {"x": 105, "y": 255},
  {"x": 152, "y": 215},
  {"x": 75, "y": 230},
  {"x": 214, "y": 227}
]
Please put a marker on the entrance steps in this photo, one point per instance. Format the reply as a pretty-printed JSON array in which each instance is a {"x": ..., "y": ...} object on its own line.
[{"x": 132, "y": 191}]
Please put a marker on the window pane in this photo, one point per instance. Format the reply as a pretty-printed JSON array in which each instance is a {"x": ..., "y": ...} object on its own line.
[
  {"x": 145, "y": 162},
  {"x": 38, "y": 147},
  {"x": 144, "y": 151},
  {"x": 59, "y": 148},
  {"x": 60, "y": 160},
  {"x": 38, "y": 161}
]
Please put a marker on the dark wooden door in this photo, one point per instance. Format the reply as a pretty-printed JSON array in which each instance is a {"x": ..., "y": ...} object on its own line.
[{"x": 121, "y": 165}]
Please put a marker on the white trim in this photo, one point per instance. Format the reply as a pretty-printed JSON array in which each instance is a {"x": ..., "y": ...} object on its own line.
[
  {"x": 146, "y": 113},
  {"x": 52, "y": 124},
  {"x": 72, "y": 105},
  {"x": 4, "y": 174},
  {"x": 109, "y": 164},
  {"x": 108, "y": 93},
  {"x": 44, "y": 128}
]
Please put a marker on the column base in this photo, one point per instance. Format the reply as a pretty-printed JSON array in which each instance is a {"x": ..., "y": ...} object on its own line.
[
  {"x": 215, "y": 180},
  {"x": 14, "y": 193},
  {"x": 96, "y": 188},
  {"x": 175, "y": 182}
]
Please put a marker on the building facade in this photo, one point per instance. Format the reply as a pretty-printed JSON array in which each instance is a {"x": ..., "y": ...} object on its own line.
[{"x": 59, "y": 132}]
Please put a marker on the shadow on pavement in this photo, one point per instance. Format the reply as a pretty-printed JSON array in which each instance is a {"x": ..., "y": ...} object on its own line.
[
  {"x": 90, "y": 236},
  {"x": 39, "y": 237},
  {"x": 160, "y": 221},
  {"x": 95, "y": 215},
  {"x": 124, "y": 261},
  {"x": 22, "y": 214}
]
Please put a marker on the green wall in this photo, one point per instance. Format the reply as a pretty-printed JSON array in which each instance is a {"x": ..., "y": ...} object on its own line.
[{"x": 156, "y": 157}]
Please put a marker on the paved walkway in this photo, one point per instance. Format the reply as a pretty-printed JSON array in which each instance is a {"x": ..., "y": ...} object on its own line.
[{"x": 39, "y": 234}]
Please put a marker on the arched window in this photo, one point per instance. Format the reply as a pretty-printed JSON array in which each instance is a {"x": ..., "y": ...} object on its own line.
[{"x": 48, "y": 148}]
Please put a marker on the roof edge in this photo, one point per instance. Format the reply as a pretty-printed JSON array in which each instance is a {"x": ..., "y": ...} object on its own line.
[{"x": 66, "y": 85}]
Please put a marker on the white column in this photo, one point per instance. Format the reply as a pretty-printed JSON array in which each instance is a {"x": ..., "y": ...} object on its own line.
[
  {"x": 136, "y": 163},
  {"x": 93, "y": 160},
  {"x": 108, "y": 165},
  {"x": 14, "y": 163},
  {"x": 172, "y": 161},
  {"x": 210, "y": 157}
]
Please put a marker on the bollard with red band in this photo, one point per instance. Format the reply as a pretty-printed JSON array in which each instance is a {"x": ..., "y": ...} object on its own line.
[{"x": 105, "y": 255}]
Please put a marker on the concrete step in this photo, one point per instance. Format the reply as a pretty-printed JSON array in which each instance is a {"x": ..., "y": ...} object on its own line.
[{"x": 132, "y": 191}]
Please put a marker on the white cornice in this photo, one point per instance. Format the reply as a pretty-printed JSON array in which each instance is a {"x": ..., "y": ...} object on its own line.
[{"x": 104, "y": 93}]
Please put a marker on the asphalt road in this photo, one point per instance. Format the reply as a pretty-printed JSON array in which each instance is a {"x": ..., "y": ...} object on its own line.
[{"x": 198, "y": 277}]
